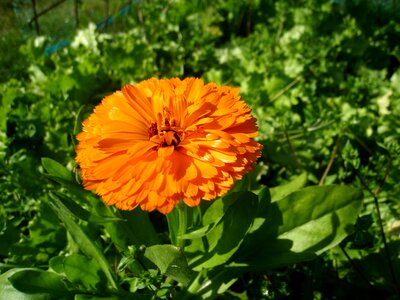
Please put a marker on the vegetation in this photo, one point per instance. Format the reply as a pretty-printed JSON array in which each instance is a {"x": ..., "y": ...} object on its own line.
[{"x": 323, "y": 80}]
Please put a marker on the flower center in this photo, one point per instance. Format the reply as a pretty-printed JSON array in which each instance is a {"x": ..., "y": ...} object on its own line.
[{"x": 164, "y": 136}]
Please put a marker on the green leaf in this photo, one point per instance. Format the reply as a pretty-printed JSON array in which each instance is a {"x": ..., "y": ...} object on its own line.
[
  {"x": 264, "y": 200},
  {"x": 63, "y": 176},
  {"x": 44, "y": 228},
  {"x": 197, "y": 233},
  {"x": 217, "y": 283},
  {"x": 171, "y": 261},
  {"x": 280, "y": 192},
  {"x": 225, "y": 238},
  {"x": 77, "y": 210},
  {"x": 37, "y": 281},
  {"x": 127, "y": 296},
  {"x": 83, "y": 271},
  {"x": 301, "y": 226},
  {"x": 215, "y": 211},
  {"x": 123, "y": 232},
  {"x": 84, "y": 214},
  {"x": 9, "y": 292},
  {"x": 56, "y": 169},
  {"x": 85, "y": 244},
  {"x": 56, "y": 264}
]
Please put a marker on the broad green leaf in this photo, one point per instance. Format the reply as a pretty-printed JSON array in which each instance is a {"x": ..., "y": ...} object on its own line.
[
  {"x": 217, "y": 283},
  {"x": 225, "y": 238},
  {"x": 84, "y": 214},
  {"x": 301, "y": 226},
  {"x": 198, "y": 233},
  {"x": 75, "y": 190},
  {"x": 280, "y": 192},
  {"x": 264, "y": 200},
  {"x": 83, "y": 271},
  {"x": 125, "y": 231},
  {"x": 171, "y": 261},
  {"x": 56, "y": 169},
  {"x": 56, "y": 264},
  {"x": 133, "y": 220},
  {"x": 85, "y": 244},
  {"x": 216, "y": 211},
  {"x": 63, "y": 176},
  {"x": 9, "y": 292},
  {"x": 128, "y": 296},
  {"x": 38, "y": 281},
  {"x": 218, "y": 208},
  {"x": 76, "y": 209}
]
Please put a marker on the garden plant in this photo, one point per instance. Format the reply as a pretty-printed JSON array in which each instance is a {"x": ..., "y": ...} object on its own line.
[{"x": 205, "y": 150}]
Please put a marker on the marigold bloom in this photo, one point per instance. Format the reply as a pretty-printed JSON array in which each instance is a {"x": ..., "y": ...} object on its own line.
[{"x": 159, "y": 141}]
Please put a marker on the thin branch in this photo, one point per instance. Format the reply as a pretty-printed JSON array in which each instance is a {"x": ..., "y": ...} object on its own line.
[
  {"x": 355, "y": 267},
  {"x": 380, "y": 223},
  {"x": 286, "y": 88},
  {"x": 379, "y": 188},
  {"x": 44, "y": 11},
  {"x": 35, "y": 17},
  {"x": 76, "y": 13},
  {"x": 292, "y": 151},
  {"x": 331, "y": 160}
]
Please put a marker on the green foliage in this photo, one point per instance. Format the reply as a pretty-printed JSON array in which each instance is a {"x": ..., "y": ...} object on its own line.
[
  {"x": 8, "y": 291},
  {"x": 323, "y": 80},
  {"x": 305, "y": 223},
  {"x": 171, "y": 261},
  {"x": 39, "y": 282}
]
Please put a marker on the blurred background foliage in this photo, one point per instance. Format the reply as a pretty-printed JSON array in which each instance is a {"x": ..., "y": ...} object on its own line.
[{"x": 322, "y": 77}]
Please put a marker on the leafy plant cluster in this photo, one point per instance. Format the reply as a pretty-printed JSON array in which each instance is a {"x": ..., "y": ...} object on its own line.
[{"x": 323, "y": 80}]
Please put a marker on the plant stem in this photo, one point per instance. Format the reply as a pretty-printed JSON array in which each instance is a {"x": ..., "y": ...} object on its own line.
[
  {"x": 380, "y": 224},
  {"x": 292, "y": 151},
  {"x": 286, "y": 88},
  {"x": 330, "y": 163},
  {"x": 182, "y": 219},
  {"x": 355, "y": 267},
  {"x": 386, "y": 247}
]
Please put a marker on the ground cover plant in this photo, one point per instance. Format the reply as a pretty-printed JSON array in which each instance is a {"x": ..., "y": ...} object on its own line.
[{"x": 317, "y": 218}]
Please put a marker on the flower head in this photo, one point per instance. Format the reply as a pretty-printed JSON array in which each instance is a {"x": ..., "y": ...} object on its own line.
[{"x": 159, "y": 141}]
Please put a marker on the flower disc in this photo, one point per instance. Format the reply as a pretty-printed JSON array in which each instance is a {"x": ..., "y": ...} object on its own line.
[{"x": 159, "y": 141}]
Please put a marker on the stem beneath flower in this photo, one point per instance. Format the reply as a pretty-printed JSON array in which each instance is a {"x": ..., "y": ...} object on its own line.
[
  {"x": 177, "y": 224},
  {"x": 182, "y": 219}
]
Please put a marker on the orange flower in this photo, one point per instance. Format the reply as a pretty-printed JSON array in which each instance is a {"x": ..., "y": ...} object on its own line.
[{"x": 160, "y": 141}]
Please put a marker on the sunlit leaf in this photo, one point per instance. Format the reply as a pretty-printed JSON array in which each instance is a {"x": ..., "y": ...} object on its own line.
[
  {"x": 83, "y": 271},
  {"x": 280, "y": 192},
  {"x": 170, "y": 260},
  {"x": 33, "y": 281},
  {"x": 8, "y": 291},
  {"x": 225, "y": 238},
  {"x": 85, "y": 244},
  {"x": 57, "y": 170},
  {"x": 301, "y": 226}
]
